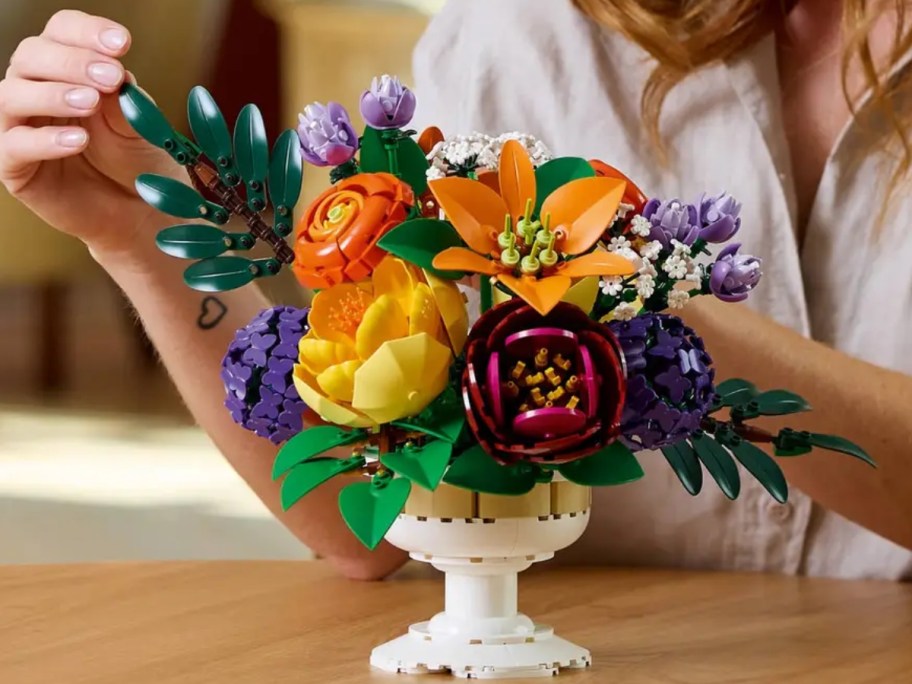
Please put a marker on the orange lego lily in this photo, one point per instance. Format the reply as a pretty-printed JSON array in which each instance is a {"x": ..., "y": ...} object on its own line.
[{"x": 536, "y": 259}]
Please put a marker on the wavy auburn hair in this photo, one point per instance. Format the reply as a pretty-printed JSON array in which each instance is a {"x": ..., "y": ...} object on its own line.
[{"x": 686, "y": 35}]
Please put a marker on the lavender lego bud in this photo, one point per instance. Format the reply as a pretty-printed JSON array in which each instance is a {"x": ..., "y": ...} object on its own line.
[
  {"x": 388, "y": 103},
  {"x": 734, "y": 275},
  {"x": 326, "y": 134}
]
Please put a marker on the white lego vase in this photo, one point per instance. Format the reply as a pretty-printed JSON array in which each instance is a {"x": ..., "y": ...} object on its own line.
[{"x": 481, "y": 542}]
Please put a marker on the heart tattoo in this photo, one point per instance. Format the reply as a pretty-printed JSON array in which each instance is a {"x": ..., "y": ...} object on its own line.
[{"x": 213, "y": 312}]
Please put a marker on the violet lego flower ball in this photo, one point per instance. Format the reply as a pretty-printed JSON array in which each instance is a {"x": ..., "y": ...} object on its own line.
[
  {"x": 388, "y": 103},
  {"x": 257, "y": 372},
  {"x": 546, "y": 389},
  {"x": 669, "y": 380}
]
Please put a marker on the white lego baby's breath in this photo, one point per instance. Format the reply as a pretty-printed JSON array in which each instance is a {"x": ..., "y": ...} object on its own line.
[
  {"x": 645, "y": 286},
  {"x": 611, "y": 285},
  {"x": 624, "y": 312},
  {"x": 651, "y": 250},
  {"x": 640, "y": 226},
  {"x": 675, "y": 267},
  {"x": 623, "y": 210},
  {"x": 677, "y": 299},
  {"x": 483, "y": 149}
]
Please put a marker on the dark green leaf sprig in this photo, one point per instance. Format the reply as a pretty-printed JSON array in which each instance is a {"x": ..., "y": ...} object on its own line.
[
  {"x": 218, "y": 165},
  {"x": 720, "y": 444}
]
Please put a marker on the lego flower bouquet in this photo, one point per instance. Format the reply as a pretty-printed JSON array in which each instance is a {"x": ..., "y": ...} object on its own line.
[{"x": 470, "y": 436}]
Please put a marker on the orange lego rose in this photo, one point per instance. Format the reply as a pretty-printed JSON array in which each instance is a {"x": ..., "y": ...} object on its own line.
[{"x": 336, "y": 238}]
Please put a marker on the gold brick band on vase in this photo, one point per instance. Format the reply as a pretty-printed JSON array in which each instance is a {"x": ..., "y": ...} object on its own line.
[{"x": 549, "y": 500}]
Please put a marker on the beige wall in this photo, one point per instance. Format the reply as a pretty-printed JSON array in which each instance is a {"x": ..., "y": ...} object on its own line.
[
  {"x": 330, "y": 51},
  {"x": 171, "y": 39}
]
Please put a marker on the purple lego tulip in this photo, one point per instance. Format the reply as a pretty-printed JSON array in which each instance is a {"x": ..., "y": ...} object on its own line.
[
  {"x": 734, "y": 275},
  {"x": 672, "y": 220},
  {"x": 388, "y": 104},
  {"x": 326, "y": 134},
  {"x": 718, "y": 217}
]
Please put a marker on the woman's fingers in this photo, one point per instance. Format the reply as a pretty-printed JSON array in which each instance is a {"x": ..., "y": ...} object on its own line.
[
  {"x": 24, "y": 146},
  {"x": 78, "y": 29},
  {"x": 21, "y": 99},
  {"x": 39, "y": 58}
]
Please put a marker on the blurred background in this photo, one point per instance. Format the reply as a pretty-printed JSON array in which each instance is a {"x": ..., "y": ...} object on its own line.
[{"x": 99, "y": 459}]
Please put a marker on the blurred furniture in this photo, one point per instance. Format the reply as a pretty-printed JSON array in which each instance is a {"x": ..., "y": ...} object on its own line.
[
  {"x": 171, "y": 43},
  {"x": 281, "y": 622},
  {"x": 332, "y": 48}
]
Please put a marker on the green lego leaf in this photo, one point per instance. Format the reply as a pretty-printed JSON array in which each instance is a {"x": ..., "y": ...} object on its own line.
[
  {"x": 475, "y": 469},
  {"x": 211, "y": 133},
  {"x": 842, "y": 445},
  {"x": 312, "y": 442},
  {"x": 423, "y": 465},
  {"x": 719, "y": 463},
  {"x": 172, "y": 197},
  {"x": 419, "y": 240},
  {"x": 286, "y": 171},
  {"x": 736, "y": 391},
  {"x": 373, "y": 157},
  {"x": 780, "y": 403},
  {"x": 447, "y": 430},
  {"x": 251, "y": 150},
  {"x": 762, "y": 467},
  {"x": 221, "y": 273},
  {"x": 613, "y": 465},
  {"x": 683, "y": 460},
  {"x": 797, "y": 450},
  {"x": 790, "y": 442},
  {"x": 557, "y": 172},
  {"x": 305, "y": 477},
  {"x": 413, "y": 166},
  {"x": 193, "y": 241},
  {"x": 370, "y": 508},
  {"x": 149, "y": 122}
]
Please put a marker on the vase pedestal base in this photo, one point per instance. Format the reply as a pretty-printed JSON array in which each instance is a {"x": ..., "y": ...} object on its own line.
[
  {"x": 480, "y": 634},
  {"x": 540, "y": 654}
]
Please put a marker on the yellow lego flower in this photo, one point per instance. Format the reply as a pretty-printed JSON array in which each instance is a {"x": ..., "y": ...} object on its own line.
[{"x": 380, "y": 350}]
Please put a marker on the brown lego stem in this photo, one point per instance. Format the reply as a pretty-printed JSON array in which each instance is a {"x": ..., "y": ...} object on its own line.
[{"x": 204, "y": 177}]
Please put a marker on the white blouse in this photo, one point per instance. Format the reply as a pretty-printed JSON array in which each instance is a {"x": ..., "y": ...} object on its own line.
[{"x": 540, "y": 67}]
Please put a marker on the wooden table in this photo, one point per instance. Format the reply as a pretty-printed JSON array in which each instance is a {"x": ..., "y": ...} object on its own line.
[{"x": 231, "y": 623}]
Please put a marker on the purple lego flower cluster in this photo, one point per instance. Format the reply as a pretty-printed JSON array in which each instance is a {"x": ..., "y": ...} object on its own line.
[
  {"x": 713, "y": 219},
  {"x": 257, "y": 372},
  {"x": 669, "y": 380}
]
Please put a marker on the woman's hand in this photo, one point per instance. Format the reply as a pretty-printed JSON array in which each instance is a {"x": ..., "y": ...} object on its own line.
[{"x": 65, "y": 149}]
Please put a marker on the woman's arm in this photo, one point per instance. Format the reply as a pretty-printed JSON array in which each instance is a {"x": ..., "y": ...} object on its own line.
[
  {"x": 192, "y": 355},
  {"x": 862, "y": 402}
]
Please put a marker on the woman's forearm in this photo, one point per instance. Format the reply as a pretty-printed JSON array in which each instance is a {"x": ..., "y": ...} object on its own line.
[
  {"x": 170, "y": 312},
  {"x": 862, "y": 402}
]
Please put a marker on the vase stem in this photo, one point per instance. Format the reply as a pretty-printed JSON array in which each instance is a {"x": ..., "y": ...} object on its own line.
[{"x": 481, "y": 596}]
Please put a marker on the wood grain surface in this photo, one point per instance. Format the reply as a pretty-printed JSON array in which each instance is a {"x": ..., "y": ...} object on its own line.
[{"x": 232, "y": 623}]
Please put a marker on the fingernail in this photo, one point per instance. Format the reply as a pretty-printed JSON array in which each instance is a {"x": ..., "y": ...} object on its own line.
[
  {"x": 113, "y": 38},
  {"x": 81, "y": 98},
  {"x": 105, "y": 74},
  {"x": 74, "y": 138}
]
